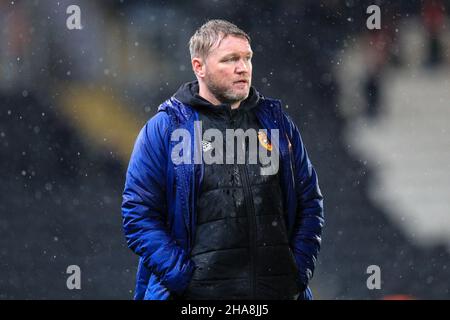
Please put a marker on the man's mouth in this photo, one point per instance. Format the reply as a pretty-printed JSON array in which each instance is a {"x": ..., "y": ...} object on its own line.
[{"x": 241, "y": 82}]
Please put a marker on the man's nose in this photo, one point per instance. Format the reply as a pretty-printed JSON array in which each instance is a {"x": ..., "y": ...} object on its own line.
[{"x": 241, "y": 66}]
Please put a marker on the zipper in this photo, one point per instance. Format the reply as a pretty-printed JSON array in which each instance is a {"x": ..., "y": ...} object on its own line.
[
  {"x": 249, "y": 205},
  {"x": 252, "y": 226}
]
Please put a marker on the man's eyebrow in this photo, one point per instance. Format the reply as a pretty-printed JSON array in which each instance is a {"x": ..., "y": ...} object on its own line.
[
  {"x": 233, "y": 54},
  {"x": 229, "y": 55}
]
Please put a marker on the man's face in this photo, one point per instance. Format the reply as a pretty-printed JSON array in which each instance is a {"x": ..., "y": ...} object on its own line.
[{"x": 228, "y": 70}]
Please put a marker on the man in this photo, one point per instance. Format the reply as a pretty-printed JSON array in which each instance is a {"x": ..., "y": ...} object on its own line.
[{"x": 214, "y": 230}]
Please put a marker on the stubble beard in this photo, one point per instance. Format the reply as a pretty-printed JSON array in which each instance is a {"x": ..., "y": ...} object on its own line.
[{"x": 223, "y": 94}]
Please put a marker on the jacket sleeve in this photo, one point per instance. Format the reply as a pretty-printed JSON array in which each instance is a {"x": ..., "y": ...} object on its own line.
[
  {"x": 144, "y": 210},
  {"x": 307, "y": 232}
]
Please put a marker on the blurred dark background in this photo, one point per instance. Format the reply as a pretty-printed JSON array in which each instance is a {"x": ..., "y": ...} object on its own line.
[{"x": 372, "y": 106}]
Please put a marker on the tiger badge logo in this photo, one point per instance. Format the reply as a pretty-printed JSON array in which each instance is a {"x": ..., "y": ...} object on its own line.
[{"x": 264, "y": 141}]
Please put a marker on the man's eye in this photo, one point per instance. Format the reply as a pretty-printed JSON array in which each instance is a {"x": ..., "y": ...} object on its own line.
[
  {"x": 231, "y": 59},
  {"x": 234, "y": 59}
]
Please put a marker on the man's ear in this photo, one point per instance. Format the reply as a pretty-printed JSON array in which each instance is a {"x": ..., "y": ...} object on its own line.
[{"x": 198, "y": 66}]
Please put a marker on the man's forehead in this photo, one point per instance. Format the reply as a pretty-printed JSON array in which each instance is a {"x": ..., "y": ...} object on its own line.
[{"x": 231, "y": 44}]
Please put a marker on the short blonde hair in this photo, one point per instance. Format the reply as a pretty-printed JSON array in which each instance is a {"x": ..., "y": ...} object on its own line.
[{"x": 209, "y": 34}]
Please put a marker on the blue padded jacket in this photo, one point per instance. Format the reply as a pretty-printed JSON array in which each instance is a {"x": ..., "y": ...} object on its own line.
[{"x": 159, "y": 200}]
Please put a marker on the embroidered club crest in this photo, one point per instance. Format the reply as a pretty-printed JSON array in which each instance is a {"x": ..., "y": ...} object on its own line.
[{"x": 264, "y": 141}]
